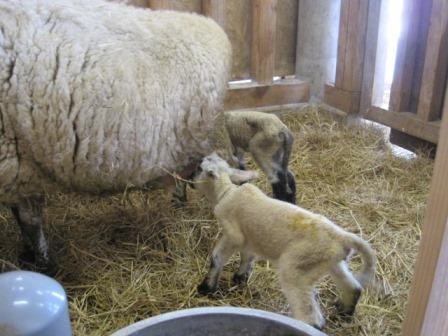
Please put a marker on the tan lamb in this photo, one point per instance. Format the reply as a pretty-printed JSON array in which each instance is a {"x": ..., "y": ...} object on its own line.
[{"x": 302, "y": 245}]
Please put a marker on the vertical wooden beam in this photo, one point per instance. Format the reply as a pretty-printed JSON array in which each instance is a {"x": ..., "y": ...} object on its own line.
[
  {"x": 160, "y": 4},
  {"x": 436, "y": 322},
  {"x": 346, "y": 92},
  {"x": 264, "y": 19},
  {"x": 373, "y": 23},
  {"x": 401, "y": 89},
  {"x": 216, "y": 9},
  {"x": 428, "y": 302},
  {"x": 436, "y": 64},
  {"x": 351, "y": 44}
]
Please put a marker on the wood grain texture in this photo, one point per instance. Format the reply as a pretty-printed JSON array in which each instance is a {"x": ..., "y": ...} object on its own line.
[
  {"x": 216, "y": 9},
  {"x": 264, "y": 16},
  {"x": 347, "y": 101},
  {"x": 286, "y": 37},
  {"x": 179, "y": 5},
  {"x": 410, "y": 56},
  {"x": 351, "y": 44},
  {"x": 436, "y": 64},
  {"x": 238, "y": 29},
  {"x": 282, "y": 92},
  {"x": 427, "y": 305},
  {"x": 401, "y": 89},
  {"x": 373, "y": 20},
  {"x": 406, "y": 122}
]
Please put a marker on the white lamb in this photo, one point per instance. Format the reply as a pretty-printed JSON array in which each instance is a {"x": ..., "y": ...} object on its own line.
[
  {"x": 98, "y": 96},
  {"x": 304, "y": 246}
]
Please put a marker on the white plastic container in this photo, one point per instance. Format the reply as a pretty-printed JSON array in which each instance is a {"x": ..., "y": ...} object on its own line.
[
  {"x": 219, "y": 321},
  {"x": 32, "y": 304}
]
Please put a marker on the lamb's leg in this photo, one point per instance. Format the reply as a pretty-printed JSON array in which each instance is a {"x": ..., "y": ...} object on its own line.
[
  {"x": 348, "y": 285},
  {"x": 179, "y": 195},
  {"x": 297, "y": 284},
  {"x": 221, "y": 254},
  {"x": 239, "y": 154},
  {"x": 29, "y": 217},
  {"x": 242, "y": 275}
]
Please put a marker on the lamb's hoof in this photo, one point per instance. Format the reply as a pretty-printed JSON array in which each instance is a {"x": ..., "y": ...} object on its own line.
[
  {"x": 343, "y": 311},
  {"x": 239, "y": 279},
  {"x": 27, "y": 256},
  {"x": 205, "y": 289},
  {"x": 318, "y": 326}
]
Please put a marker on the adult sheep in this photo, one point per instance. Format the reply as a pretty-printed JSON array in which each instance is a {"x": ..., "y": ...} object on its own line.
[{"x": 97, "y": 96}]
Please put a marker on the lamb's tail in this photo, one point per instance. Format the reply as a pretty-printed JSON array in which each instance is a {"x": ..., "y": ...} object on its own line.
[{"x": 367, "y": 273}]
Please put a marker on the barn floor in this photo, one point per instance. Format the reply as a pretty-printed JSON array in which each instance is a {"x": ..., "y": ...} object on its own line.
[{"x": 127, "y": 257}]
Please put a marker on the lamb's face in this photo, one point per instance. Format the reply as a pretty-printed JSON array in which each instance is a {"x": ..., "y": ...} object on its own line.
[{"x": 213, "y": 166}]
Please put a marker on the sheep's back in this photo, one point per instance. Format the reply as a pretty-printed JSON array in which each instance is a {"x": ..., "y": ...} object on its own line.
[{"x": 100, "y": 96}]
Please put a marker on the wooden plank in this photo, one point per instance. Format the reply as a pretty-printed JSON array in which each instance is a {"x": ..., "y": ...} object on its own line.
[
  {"x": 282, "y": 92},
  {"x": 436, "y": 64},
  {"x": 405, "y": 122},
  {"x": 347, "y": 101},
  {"x": 435, "y": 322},
  {"x": 412, "y": 143},
  {"x": 401, "y": 89},
  {"x": 182, "y": 6},
  {"x": 351, "y": 44},
  {"x": 286, "y": 37},
  {"x": 239, "y": 31},
  {"x": 410, "y": 56},
  {"x": 216, "y": 9},
  {"x": 161, "y": 4},
  {"x": 427, "y": 305},
  {"x": 263, "y": 40},
  {"x": 342, "y": 42},
  {"x": 373, "y": 20}
]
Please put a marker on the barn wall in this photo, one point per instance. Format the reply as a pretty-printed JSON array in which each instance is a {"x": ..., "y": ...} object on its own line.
[{"x": 318, "y": 24}]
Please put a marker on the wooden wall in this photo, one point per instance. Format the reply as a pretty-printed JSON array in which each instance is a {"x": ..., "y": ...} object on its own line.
[
  {"x": 263, "y": 34},
  {"x": 238, "y": 15},
  {"x": 420, "y": 76}
]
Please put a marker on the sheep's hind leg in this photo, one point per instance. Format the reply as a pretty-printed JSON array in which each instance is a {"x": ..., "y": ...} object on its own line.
[
  {"x": 297, "y": 283},
  {"x": 221, "y": 254},
  {"x": 242, "y": 275},
  {"x": 348, "y": 285},
  {"x": 29, "y": 217}
]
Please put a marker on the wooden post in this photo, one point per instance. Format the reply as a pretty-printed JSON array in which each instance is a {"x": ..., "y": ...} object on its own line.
[
  {"x": 410, "y": 56},
  {"x": 427, "y": 309},
  {"x": 345, "y": 94},
  {"x": 373, "y": 24},
  {"x": 436, "y": 64},
  {"x": 216, "y": 9},
  {"x": 160, "y": 4},
  {"x": 264, "y": 18}
]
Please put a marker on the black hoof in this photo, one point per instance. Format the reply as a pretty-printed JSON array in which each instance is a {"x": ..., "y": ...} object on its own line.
[
  {"x": 343, "y": 311},
  {"x": 318, "y": 327},
  {"x": 27, "y": 256},
  {"x": 239, "y": 279},
  {"x": 205, "y": 289}
]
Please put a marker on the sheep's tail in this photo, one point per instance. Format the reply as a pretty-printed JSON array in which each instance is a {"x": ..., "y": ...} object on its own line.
[
  {"x": 367, "y": 273},
  {"x": 288, "y": 140}
]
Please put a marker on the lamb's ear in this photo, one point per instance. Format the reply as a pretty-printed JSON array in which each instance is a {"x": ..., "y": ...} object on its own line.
[{"x": 239, "y": 176}]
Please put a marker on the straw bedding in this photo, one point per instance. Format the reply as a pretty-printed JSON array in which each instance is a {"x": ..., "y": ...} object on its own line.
[{"x": 130, "y": 256}]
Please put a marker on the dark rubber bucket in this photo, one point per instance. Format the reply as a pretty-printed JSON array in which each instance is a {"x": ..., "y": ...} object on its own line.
[{"x": 219, "y": 321}]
